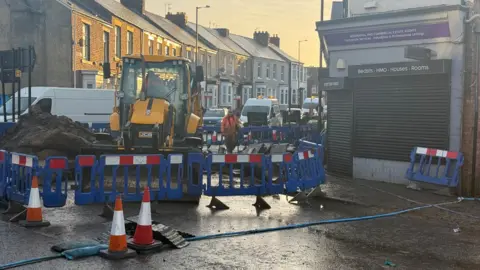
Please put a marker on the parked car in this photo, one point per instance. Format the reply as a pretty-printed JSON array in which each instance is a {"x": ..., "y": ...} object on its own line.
[{"x": 213, "y": 117}]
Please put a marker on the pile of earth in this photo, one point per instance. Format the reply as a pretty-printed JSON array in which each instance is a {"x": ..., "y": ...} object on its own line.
[{"x": 43, "y": 134}]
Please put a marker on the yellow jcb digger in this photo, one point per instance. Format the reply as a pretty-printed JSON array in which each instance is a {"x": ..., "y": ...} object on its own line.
[{"x": 159, "y": 108}]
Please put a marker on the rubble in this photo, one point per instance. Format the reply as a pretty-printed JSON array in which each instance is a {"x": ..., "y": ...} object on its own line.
[{"x": 43, "y": 134}]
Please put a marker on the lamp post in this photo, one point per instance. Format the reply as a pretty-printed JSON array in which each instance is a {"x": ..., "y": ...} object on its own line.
[
  {"x": 298, "y": 70},
  {"x": 196, "y": 32}
]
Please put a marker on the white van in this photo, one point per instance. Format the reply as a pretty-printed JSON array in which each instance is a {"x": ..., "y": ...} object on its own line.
[
  {"x": 91, "y": 106},
  {"x": 263, "y": 105}
]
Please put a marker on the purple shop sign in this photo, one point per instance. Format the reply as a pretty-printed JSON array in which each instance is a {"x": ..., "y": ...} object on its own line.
[{"x": 415, "y": 32}]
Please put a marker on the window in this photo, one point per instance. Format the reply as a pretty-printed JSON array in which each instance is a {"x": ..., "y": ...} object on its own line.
[
  {"x": 209, "y": 65},
  {"x": 167, "y": 50},
  {"x": 294, "y": 72},
  {"x": 224, "y": 94},
  {"x": 247, "y": 93},
  {"x": 260, "y": 91},
  {"x": 284, "y": 96},
  {"x": 268, "y": 70},
  {"x": 150, "y": 47},
  {"x": 282, "y": 73},
  {"x": 118, "y": 41},
  {"x": 202, "y": 59},
  {"x": 129, "y": 42},
  {"x": 270, "y": 92},
  {"x": 174, "y": 51},
  {"x": 274, "y": 71},
  {"x": 301, "y": 74},
  {"x": 294, "y": 97},
  {"x": 45, "y": 105},
  {"x": 106, "y": 47},
  {"x": 86, "y": 42},
  {"x": 259, "y": 70},
  {"x": 245, "y": 69},
  {"x": 229, "y": 95},
  {"x": 189, "y": 54},
  {"x": 232, "y": 65},
  {"x": 159, "y": 48},
  {"x": 225, "y": 62}
]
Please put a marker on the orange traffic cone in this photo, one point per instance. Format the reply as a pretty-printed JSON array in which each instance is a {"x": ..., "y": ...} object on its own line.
[
  {"x": 142, "y": 240},
  {"x": 34, "y": 209},
  {"x": 117, "y": 246}
]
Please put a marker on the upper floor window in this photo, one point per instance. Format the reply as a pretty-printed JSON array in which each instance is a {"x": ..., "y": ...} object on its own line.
[
  {"x": 118, "y": 41},
  {"x": 150, "y": 47},
  {"x": 159, "y": 48},
  {"x": 129, "y": 42},
  {"x": 274, "y": 71},
  {"x": 268, "y": 70},
  {"x": 294, "y": 72},
  {"x": 86, "y": 42},
  {"x": 282, "y": 73},
  {"x": 106, "y": 47},
  {"x": 232, "y": 64},
  {"x": 167, "y": 50},
  {"x": 259, "y": 70},
  {"x": 174, "y": 51}
]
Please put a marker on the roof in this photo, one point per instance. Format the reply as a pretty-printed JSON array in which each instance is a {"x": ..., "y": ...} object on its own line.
[
  {"x": 91, "y": 9},
  {"x": 210, "y": 38},
  {"x": 255, "y": 49},
  {"x": 173, "y": 30},
  {"x": 229, "y": 42},
  {"x": 283, "y": 54},
  {"x": 131, "y": 17}
]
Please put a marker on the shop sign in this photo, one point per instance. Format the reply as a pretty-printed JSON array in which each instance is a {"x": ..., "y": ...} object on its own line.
[
  {"x": 390, "y": 34},
  {"x": 404, "y": 68},
  {"x": 327, "y": 84}
]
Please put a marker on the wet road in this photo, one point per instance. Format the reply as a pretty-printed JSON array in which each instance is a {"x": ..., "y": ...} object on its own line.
[{"x": 420, "y": 240}]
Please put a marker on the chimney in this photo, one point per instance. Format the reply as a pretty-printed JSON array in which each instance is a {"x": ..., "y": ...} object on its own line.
[
  {"x": 134, "y": 5},
  {"x": 179, "y": 19},
  {"x": 275, "y": 40},
  {"x": 261, "y": 38},
  {"x": 224, "y": 32}
]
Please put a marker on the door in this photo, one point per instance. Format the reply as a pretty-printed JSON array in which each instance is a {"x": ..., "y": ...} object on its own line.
[{"x": 339, "y": 132}]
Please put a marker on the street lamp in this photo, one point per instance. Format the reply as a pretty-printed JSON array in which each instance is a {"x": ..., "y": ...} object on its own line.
[
  {"x": 196, "y": 32},
  {"x": 298, "y": 70}
]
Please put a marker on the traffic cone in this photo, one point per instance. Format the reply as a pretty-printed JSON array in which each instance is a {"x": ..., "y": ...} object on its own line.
[
  {"x": 117, "y": 246},
  {"x": 34, "y": 209},
  {"x": 142, "y": 240}
]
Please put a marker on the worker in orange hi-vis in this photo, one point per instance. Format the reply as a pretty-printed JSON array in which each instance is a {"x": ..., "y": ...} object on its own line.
[{"x": 230, "y": 127}]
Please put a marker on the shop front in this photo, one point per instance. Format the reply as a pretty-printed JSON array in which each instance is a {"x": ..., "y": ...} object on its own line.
[{"x": 383, "y": 100}]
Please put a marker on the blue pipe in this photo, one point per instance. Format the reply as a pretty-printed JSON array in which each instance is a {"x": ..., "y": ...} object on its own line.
[{"x": 313, "y": 223}]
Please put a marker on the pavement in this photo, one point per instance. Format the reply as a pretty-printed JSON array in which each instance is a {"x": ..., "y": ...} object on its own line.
[{"x": 425, "y": 239}]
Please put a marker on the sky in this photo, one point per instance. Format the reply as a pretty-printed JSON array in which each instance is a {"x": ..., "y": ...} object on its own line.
[{"x": 292, "y": 20}]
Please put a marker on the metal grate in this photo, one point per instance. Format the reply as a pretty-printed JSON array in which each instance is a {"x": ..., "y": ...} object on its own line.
[
  {"x": 339, "y": 132},
  {"x": 395, "y": 114}
]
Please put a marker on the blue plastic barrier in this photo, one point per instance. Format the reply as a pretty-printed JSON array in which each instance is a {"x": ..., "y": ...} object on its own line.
[
  {"x": 55, "y": 196},
  {"x": 4, "y": 175},
  {"x": 225, "y": 165},
  {"x": 99, "y": 180},
  {"x": 23, "y": 168},
  {"x": 137, "y": 171},
  {"x": 446, "y": 166},
  {"x": 5, "y": 126}
]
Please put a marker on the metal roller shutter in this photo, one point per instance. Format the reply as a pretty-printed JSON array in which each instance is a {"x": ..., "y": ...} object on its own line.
[
  {"x": 394, "y": 114},
  {"x": 339, "y": 132}
]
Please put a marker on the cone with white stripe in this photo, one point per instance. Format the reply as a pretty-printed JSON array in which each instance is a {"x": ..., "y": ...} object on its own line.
[
  {"x": 142, "y": 240},
  {"x": 117, "y": 246},
  {"x": 34, "y": 209}
]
